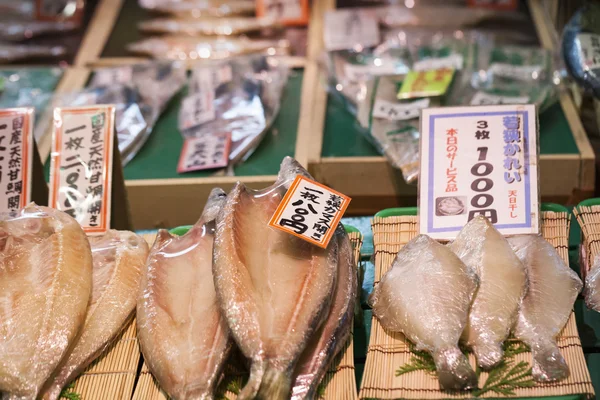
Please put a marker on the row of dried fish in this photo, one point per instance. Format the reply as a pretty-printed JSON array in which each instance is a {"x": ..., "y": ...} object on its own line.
[
  {"x": 479, "y": 289},
  {"x": 284, "y": 302},
  {"x": 64, "y": 298}
]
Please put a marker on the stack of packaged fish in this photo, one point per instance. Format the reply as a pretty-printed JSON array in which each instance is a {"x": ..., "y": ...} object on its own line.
[
  {"x": 66, "y": 298},
  {"x": 285, "y": 303},
  {"x": 205, "y": 29},
  {"x": 478, "y": 290}
]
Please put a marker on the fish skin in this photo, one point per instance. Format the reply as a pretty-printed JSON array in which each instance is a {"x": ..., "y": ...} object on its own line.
[
  {"x": 274, "y": 288},
  {"x": 183, "y": 337},
  {"x": 333, "y": 335},
  {"x": 502, "y": 285},
  {"x": 592, "y": 286},
  {"x": 547, "y": 306},
  {"x": 118, "y": 257},
  {"x": 426, "y": 295},
  {"x": 48, "y": 254}
]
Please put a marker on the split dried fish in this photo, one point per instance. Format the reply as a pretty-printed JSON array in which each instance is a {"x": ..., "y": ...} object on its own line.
[
  {"x": 274, "y": 288},
  {"x": 426, "y": 295},
  {"x": 182, "y": 334},
  {"x": 118, "y": 257},
  {"x": 592, "y": 286},
  {"x": 547, "y": 306},
  {"x": 207, "y": 26},
  {"x": 502, "y": 284},
  {"x": 45, "y": 287}
]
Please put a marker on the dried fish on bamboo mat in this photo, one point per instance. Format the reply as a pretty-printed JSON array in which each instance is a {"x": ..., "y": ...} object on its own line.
[
  {"x": 589, "y": 220},
  {"x": 393, "y": 371}
]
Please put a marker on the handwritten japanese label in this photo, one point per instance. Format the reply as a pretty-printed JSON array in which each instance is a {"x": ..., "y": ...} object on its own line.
[
  {"x": 518, "y": 72},
  {"x": 197, "y": 109},
  {"x": 81, "y": 165},
  {"x": 206, "y": 152},
  {"x": 589, "y": 49},
  {"x": 487, "y": 99},
  {"x": 350, "y": 28},
  {"x": 310, "y": 211},
  {"x": 453, "y": 61},
  {"x": 16, "y": 152},
  {"x": 399, "y": 111},
  {"x": 425, "y": 83},
  {"x": 479, "y": 161}
]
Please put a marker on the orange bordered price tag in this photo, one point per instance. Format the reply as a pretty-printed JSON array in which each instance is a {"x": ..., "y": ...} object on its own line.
[
  {"x": 209, "y": 151},
  {"x": 16, "y": 153},
  {"x": 310, "y": 211},
  {"x": 81, "y": 165}
]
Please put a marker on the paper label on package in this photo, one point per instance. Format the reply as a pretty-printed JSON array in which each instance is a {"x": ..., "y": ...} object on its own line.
[
  {"x": 81, "y": 165},
  {"x": 487, "y": 99},
  {"x": 197, "y": 109},
  {"x": 589, "y": 49},
  {"x": 399, "y": 111},
  {"x": 310, "y": 211},
  {"x": 454, "y": 61},
  {"x": 16, "y": 153},
  {"x": 348, "y": 28},
  {"x": 357, "y": 72},
  {"x": 479, "y": 161},
  {"x": 519, "y": 72},
  {"x": 425, "y": 83},
  {"x": 112, "y": 76},
  {"x": 206, "y": 152}
]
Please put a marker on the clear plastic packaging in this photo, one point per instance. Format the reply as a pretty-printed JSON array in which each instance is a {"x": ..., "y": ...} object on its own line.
[
  {"x": 180, "y": 48},
  {"x": 118, "y": 258},
  {"x": 183, "y": 336},
  {"x": 592, "y": 285},
  {"x": 552, "y": 290},
  {"x": 15, "y": 52},
  {"x": 502, "y": 284},
  {"x": 264, "y": 279},
  {"x": 46, "y": 281},
  {"x": 426, "y": 295},
  {"x": 201, "y": 8},
  {"x": 245, "y": 101},
  {"x": 207, "y": 26}
]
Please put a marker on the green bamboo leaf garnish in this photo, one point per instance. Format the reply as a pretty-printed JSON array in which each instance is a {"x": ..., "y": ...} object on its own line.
[{"x": 69, "y": 394}]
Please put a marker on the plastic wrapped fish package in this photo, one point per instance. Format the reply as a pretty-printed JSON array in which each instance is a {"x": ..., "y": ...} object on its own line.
[
  {"x": 241, "y": 96},
  {"x": 200, "y": 8}
]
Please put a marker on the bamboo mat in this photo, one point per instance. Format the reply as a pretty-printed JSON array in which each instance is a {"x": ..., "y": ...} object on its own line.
[
  {"x": 388, "y": 351},
  {"x": 589, "y": 219}
]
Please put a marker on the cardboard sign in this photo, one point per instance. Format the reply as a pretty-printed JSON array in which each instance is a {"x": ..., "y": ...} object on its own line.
[
  {"x": 479, "y": 161},
  {"x": 589, "y": 49},
  {"x": 82, "y": 165},
  {"x": 350, "y": 28},
  {"x": 310, "y": 211},
  {"x": 207, "y": 152},
  {"x": 399, "y": 111},
  {"x": 487, "y": 99},
  {"x": 288, "y": 12},
  {"x": 426, "y": 83},
  {"x": 16, "y": 155}
]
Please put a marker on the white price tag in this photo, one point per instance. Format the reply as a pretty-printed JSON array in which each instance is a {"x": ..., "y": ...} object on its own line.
[
  {"x": 16, "y": 152},
  {"x": 111, "y": 76},
  {"x": 487, "y": 99},
  {"x": 206, "y": 152},
  {"x": 347, "y": 28},
  {"x": 310, "y": 211},
  {"x": 479, "y": 161},
  {"x": 81, "y": 165},
  {"x": 357, "y": 72},
  {"x": 519, "y": 72},
  {"x": 454, "y": 61},
  {"x": 399, "y": 111},
  {"x": 589, "y": 49}
]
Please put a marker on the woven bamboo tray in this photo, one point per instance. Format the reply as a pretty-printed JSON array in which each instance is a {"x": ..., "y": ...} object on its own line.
[
  {"x": 338, "y": 384},
  {"x": 388, "y": 351},
  {"x": 588, "y": 216}
]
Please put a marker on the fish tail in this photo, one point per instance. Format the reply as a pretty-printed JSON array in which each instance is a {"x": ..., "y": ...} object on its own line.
[
  {"x": 53, "y": 393},
  {"x": 488, "y": 354},
  {"x": 249, "y": 391},
  {"x": 592, "y": 290},
  {"x": 548, "y": 363},
  {"x": 454, "y": 370},
  {"x": 276, "y": 385}
]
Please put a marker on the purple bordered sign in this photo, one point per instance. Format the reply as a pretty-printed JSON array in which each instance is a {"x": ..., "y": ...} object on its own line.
[{"x": 479, "y": 161}]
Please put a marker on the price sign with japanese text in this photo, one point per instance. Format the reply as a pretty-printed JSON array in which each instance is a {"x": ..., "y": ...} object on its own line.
[
  {"x": 81, "y": 165},
  {"x": 206, "y": 152},
  {"x": 310, "y": 211},
  {"x": 479, "y": 161},
  {"x": 16, "y": 153}
]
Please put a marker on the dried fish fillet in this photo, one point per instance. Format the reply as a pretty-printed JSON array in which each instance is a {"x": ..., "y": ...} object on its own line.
[
  {"x": 426, "y": 295},
  {"x": 118, "y": 257},
  {"x": 332, "y": 337},
  {"x": 203, "y": 8},
  {"x": 45, "y": 287},
  {"x": 182, "y": 334},
  {"x": 205, "y": 48},
  {"x": 546, "y": 308},
  {"x": 502, "y": 284},
  {"x": 207, "y": 26},
  {"x": 274, "y": 288},
  {"x": 592, "y": 286}
]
